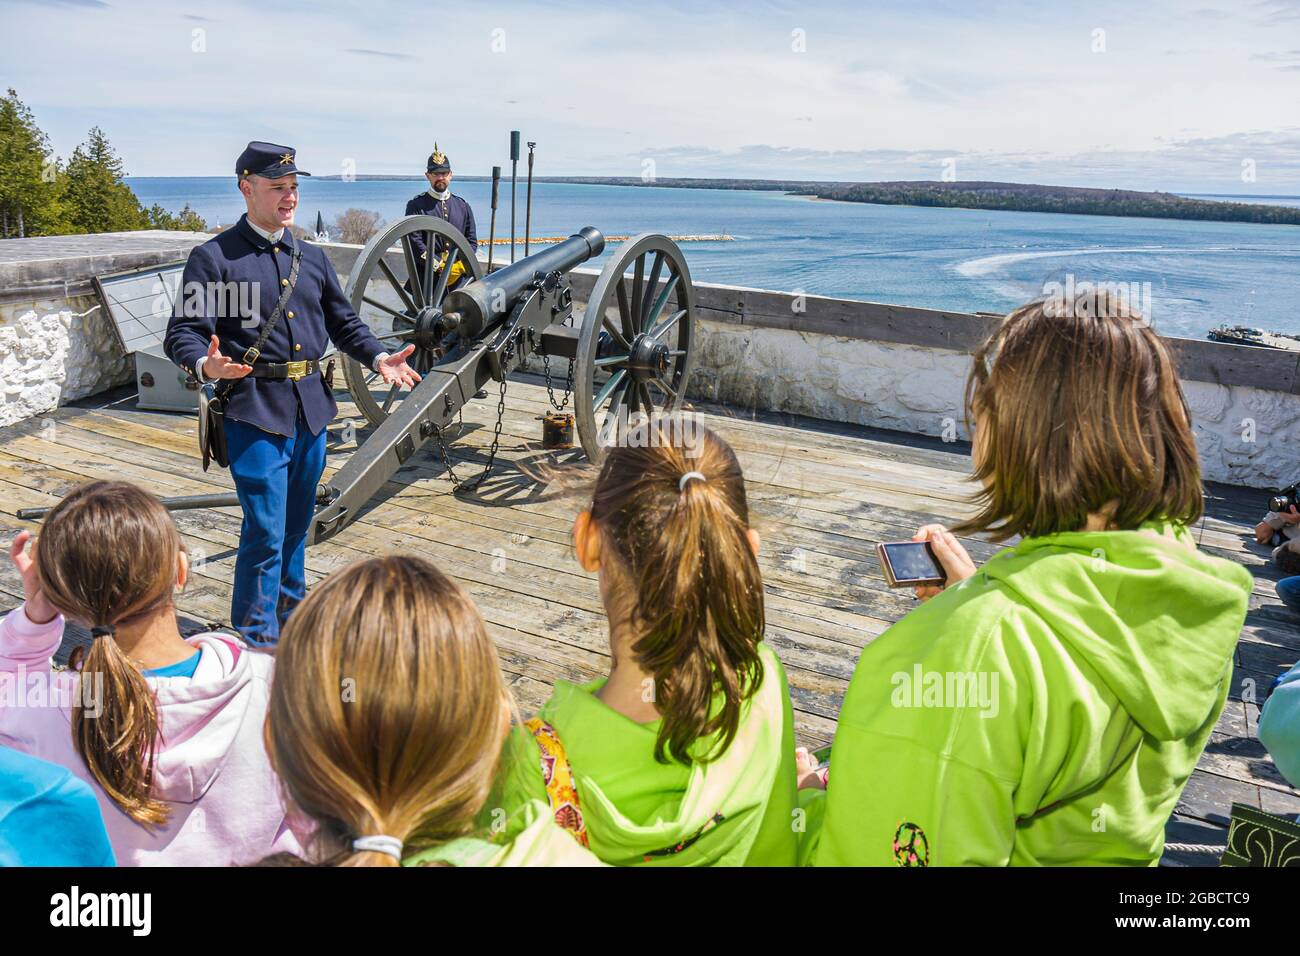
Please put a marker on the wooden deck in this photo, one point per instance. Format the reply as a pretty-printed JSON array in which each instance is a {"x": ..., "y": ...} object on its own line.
[{"x": 822, "y": 495}]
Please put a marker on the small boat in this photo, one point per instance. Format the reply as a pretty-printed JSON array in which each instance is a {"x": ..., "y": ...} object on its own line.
[{"x": 1244, "y": 335}]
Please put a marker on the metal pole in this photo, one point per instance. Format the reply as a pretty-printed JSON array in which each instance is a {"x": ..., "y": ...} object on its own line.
[
  {"x": 492, "y": 229},
  {"x": 514, "y": 181},
  {"x": 528, "y": 202},
  {"x": 226, "y": 499},
  {"x": 230, "y": 500}
]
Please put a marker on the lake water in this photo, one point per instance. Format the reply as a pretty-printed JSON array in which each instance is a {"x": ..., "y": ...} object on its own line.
[{"x": 1199, "y": 274}]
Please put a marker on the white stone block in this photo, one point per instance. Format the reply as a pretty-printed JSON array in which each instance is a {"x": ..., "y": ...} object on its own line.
[{"x": 1207, "y": 401}]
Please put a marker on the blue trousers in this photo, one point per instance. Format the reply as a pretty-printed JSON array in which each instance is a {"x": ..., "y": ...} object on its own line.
[
  {"x": 1288, "y": 589},
  {"x": 275, "y": 478}
]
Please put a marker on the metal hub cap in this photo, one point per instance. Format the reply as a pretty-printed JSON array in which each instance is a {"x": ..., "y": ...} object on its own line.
[{"x": 648, "y": 359}]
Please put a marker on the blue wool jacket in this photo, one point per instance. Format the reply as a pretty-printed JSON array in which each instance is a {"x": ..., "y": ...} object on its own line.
[
  {"x": 459, "y": 213},
  {"x": 230, "y": 286}
]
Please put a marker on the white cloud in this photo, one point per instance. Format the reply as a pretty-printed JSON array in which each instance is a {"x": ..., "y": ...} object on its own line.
[{"x": 886, "y": 89}]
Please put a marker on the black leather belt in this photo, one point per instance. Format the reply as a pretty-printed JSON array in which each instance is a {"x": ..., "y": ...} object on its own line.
[{"x": 289, "y": 370}]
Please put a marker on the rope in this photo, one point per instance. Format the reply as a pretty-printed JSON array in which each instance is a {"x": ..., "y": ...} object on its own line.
[{"x": 1208, "y": 848}]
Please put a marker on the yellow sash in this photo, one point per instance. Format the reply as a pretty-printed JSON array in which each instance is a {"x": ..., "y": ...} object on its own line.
[{"x": 561, "y": 789}]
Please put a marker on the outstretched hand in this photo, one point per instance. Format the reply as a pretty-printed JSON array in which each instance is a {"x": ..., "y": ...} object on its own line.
[
  {"x": 39, "y": 610},
  {"x": 394, "y": 370},
  {"x": 217, "y": 365}
]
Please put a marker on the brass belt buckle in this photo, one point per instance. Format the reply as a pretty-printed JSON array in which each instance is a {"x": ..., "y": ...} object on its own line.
[{"x": 296, "y": 370}]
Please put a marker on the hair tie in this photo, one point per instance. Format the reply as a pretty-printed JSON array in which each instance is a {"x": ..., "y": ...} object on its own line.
[
  {"x": 103, "y": 630},
  {"x": 681, "y": 482},
  {"x": 379, "y": 843}
]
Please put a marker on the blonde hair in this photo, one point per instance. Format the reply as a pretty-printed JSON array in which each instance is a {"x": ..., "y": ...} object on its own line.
[
  {"x": 682, "y": 551},
  {"x": 1080, "y": 406},
  {"x": 107, "y": 556},
  {"x": 386, "y": 714}
]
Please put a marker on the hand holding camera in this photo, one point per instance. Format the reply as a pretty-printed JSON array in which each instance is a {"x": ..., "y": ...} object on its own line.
[
  {"x": 1285, "y": 503},
  {"x": 1280, "y": 528},
  {"x": 932, "y": 560}
]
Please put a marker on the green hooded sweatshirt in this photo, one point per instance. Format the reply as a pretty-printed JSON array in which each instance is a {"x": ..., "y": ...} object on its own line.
[
  {"x": 1048, "y": 710},
  {"x": 537, "y": 842},
  {"x": 735, "y": 810}
]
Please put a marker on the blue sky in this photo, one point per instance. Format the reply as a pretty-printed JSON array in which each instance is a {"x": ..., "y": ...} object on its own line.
[{"x": 1153, "y": 95}]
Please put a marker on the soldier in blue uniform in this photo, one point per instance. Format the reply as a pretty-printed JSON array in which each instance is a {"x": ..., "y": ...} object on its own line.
[
  {"x": 278, "y": 410},
  {"x": 438, "y": 201}
]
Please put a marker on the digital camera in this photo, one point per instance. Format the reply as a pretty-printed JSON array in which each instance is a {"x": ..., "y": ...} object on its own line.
[{"x": 1285, "y": 499}]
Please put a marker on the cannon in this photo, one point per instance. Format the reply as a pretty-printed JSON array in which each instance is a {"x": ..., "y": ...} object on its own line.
[{"x": 629, "y": 355}]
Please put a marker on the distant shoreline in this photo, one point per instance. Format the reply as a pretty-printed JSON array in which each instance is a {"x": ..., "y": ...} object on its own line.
[
  {"x": 1002, "y": 197},
  {"x": 993, "y": 196},
  {"x": 986, "y": 196}
]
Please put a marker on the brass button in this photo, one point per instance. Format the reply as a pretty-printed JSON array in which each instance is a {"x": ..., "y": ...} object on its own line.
[
  {"x": 297, "y": 348},
  {"x": 275, "y": 248},
  {"x": 291, "y": 315},
  {"x": 284, "y": 282}
]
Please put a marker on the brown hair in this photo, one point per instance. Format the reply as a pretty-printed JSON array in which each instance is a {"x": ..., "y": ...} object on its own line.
[
  {"x": 683, "y": 553},
  {"x": 106, "y": 556},
  {"x": 386, "y": 710},
  {"x": 1079, "y": 406}
]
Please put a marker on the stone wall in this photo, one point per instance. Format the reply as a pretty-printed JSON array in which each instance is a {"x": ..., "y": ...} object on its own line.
[
  {"x": 56, "y": 342},
  {"x": 1245, "y": 436},
  {"x": 54, "y": 351},
  {"x": 905, "y": 369},
  {"x": 901, "y": 387}
]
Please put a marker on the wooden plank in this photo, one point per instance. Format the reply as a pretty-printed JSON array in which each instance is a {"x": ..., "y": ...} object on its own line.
[
  {"x": 1210, "y": 797},
  {"x": 1221, "y": 363},
  {"x": 909, "y": 530},
  {"x": 453, "y": 511},
  {"x": 549, "y": 663},
  {"x": 105, "y": 466},
  {"x": 1244, "y": 759}
]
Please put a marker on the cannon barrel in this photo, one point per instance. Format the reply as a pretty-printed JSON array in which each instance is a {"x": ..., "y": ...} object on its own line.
[{"x": 481, "y": 303}]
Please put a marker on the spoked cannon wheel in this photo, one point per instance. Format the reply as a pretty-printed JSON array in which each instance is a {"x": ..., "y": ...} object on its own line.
[
  {"x": 405, "y": 306},
  {"x": 635, "y": 350}
]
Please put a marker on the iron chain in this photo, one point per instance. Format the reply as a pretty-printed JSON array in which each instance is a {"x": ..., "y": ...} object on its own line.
[
  {"x": 568, "y": 379},
  {"x": 458, "y": 485}
]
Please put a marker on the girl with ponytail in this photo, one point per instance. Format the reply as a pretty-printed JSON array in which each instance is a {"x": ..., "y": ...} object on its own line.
[
  {"x": 165, "y": 730},
  {"x": 684, "y": 754},
  {"x": 385, "y": 726}
]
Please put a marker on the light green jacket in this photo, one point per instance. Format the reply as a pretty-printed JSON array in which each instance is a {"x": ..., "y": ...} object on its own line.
[
  {"x": 735, "y": 810},
  {"x": 1048, "y": 710},
  {"x": 537, "y": 842}
]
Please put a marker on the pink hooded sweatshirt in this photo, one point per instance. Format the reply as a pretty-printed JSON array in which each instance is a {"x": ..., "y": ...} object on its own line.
[{"x": 210, "y": 766}]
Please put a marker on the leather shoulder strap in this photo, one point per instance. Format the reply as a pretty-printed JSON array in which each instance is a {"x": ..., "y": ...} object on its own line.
[
  {"x": 250, "y": 356},
  {"x": 561, "y": 788}
]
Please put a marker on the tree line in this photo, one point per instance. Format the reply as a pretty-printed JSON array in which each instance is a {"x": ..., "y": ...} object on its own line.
[
  {"x": 41, "y": 195},
  {"x": 1022, "y": 197},
  {"x": 1014, "y": 197}
]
